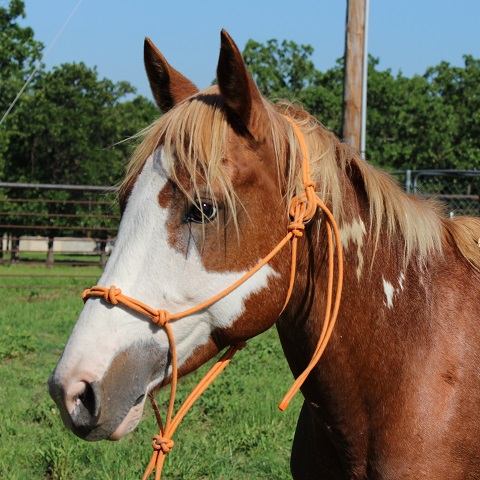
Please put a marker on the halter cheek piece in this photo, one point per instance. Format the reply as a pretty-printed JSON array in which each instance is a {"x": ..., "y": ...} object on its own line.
[{"x": 302, "y": 209}]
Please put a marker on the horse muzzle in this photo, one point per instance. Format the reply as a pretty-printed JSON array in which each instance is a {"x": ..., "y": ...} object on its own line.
[{"x": 109, "y": 407}]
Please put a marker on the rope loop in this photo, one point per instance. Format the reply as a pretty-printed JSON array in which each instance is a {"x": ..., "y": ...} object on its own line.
[
  {"x": 302, "y": 209},
  {"x": 162, "y": 443},
  {"x": 298, "y": 206},
  {"x": 161, "y": 318},
  {"x": 86, "y": 295}
]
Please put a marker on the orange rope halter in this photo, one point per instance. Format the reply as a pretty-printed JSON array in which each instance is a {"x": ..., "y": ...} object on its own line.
[{"x": 302, "y": 209}]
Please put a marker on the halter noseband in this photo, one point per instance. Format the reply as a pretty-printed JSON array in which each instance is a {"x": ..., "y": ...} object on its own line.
[{"x": 302, "y": 209}]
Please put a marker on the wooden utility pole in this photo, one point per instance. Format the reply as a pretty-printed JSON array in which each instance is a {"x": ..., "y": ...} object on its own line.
[{"x": 353, "y": 75}]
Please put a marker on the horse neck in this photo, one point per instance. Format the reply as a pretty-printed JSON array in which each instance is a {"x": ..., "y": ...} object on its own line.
[{"x": 300, "y": 326}]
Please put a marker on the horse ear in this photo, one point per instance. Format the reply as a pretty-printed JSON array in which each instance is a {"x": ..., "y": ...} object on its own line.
[
  {"x": 239, "y": 90},
  {"x": 168, "y": 86}
]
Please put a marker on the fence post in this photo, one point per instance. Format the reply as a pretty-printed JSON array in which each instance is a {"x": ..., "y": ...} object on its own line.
[
  {"x": 408, "y": 180},
  {"x": 103, "y": 253},
  {"x": 50, "y": 259},
  {"x": 15, "y": 249}
]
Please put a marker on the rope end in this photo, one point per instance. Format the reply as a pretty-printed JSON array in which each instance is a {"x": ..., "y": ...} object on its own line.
[{"x": 289, "y": 395}]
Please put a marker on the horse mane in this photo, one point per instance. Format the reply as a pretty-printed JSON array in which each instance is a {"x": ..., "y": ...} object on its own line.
[
  {"x": 194, "y": 136},
  {"x": 464, "y": 232}
]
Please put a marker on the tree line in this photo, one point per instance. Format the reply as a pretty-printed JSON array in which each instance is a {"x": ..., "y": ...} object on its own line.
[
  {"x": 69, "y": 126},
  {"x": 429, "y": 121}
]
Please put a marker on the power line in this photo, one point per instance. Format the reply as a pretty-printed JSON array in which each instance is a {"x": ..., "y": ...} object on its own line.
[{"x": 40, "y": 62}]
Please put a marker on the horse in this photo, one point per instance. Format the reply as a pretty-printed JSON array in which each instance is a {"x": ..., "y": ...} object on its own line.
[{"x": 206, "y": 196}]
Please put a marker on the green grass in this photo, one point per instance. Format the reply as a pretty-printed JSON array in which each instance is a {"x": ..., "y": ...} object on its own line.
[
  {"x": 235, "y": 430},
  {"x": 35, "y": 278}
]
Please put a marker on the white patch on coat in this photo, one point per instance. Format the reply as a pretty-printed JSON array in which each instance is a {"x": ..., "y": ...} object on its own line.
[
  {"x": 389, "y": 291},
  {"x": 146, "y": 267},
  {"x": 354, "y": 233}
]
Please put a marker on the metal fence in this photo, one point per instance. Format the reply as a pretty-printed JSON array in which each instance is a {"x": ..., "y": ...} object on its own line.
[{"x": 457, "y": 190}]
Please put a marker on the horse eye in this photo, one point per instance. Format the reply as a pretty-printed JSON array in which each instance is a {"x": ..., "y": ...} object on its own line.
[{"x": 203, "y": 212}]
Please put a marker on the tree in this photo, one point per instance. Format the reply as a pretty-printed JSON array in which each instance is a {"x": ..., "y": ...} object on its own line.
[
  {"x": 429, "y": 121},
  {"x": 19, "y": 52},
  {"x": 425, "y": 122},
  {"x": 70, "y": 129},
  {"x": 280, "y": 70},
  {"x": 285, "y": 71},
  {"x": 456, "y": 89},
  {"x": 70, "y": 121},
  {"x": 323, "y": 97},
  {"x": 400, "y": 124}
]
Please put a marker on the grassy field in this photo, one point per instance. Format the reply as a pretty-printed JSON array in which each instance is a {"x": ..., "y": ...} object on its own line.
[{"x": 235, "y": 431}]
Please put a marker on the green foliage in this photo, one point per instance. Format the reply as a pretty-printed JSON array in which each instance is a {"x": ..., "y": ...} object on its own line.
[
  {"x": 429, "y": 121},
  {"x": 19, "y": 52},
  {"x": 281, "y": 70},
  {"x": 397, "y": 119},
  {"x": 70, "y": 125},
  {"x": 284, "y": 71},
  {"x": 457, "y": 91},
  {"x": 323, "y": 98},
  {"x": 59, "y": 213},
  {"x": 69, "y": 120}
]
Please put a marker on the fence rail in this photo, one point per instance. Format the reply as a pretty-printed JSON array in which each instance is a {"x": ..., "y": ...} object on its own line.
[{"x": 38, "y": 221}]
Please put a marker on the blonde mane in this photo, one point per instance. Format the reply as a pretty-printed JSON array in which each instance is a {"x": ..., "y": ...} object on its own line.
[{"x": 194, "y": 133}]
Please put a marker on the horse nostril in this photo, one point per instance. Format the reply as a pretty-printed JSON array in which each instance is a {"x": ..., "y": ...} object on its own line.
[
  {"x": 87, "y": 399},
  {"x": 82, "y": 401},
  {"x": 139, "y": 400}
]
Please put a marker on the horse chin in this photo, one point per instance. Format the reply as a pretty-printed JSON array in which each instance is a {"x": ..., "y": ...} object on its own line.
[{"x": 129, "y": 423}]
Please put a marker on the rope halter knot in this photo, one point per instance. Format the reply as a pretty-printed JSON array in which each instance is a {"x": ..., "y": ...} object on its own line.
[
  {"x": 161, "y": 318},
  {"x": 162, "y": 443},
  {"x": 296, "y": 228},
  {"x": 111, "y": 294}
]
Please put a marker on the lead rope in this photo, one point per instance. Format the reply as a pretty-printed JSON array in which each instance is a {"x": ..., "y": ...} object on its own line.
[{"x": 302, "y": 209}]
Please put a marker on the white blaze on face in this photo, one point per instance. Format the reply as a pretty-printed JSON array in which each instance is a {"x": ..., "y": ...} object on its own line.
[
  {"x": 146, "y": 267},
  {"x": 354, "y": 233}
]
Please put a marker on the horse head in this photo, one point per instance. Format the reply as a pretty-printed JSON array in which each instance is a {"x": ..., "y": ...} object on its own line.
[{"x": 202, "y": 203}]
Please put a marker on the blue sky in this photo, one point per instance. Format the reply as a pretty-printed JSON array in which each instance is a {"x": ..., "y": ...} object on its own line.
[{"x": 406, "y": 35}]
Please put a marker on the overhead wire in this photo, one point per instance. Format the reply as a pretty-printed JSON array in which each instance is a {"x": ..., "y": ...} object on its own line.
[{"x": 39, "y": 63}]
